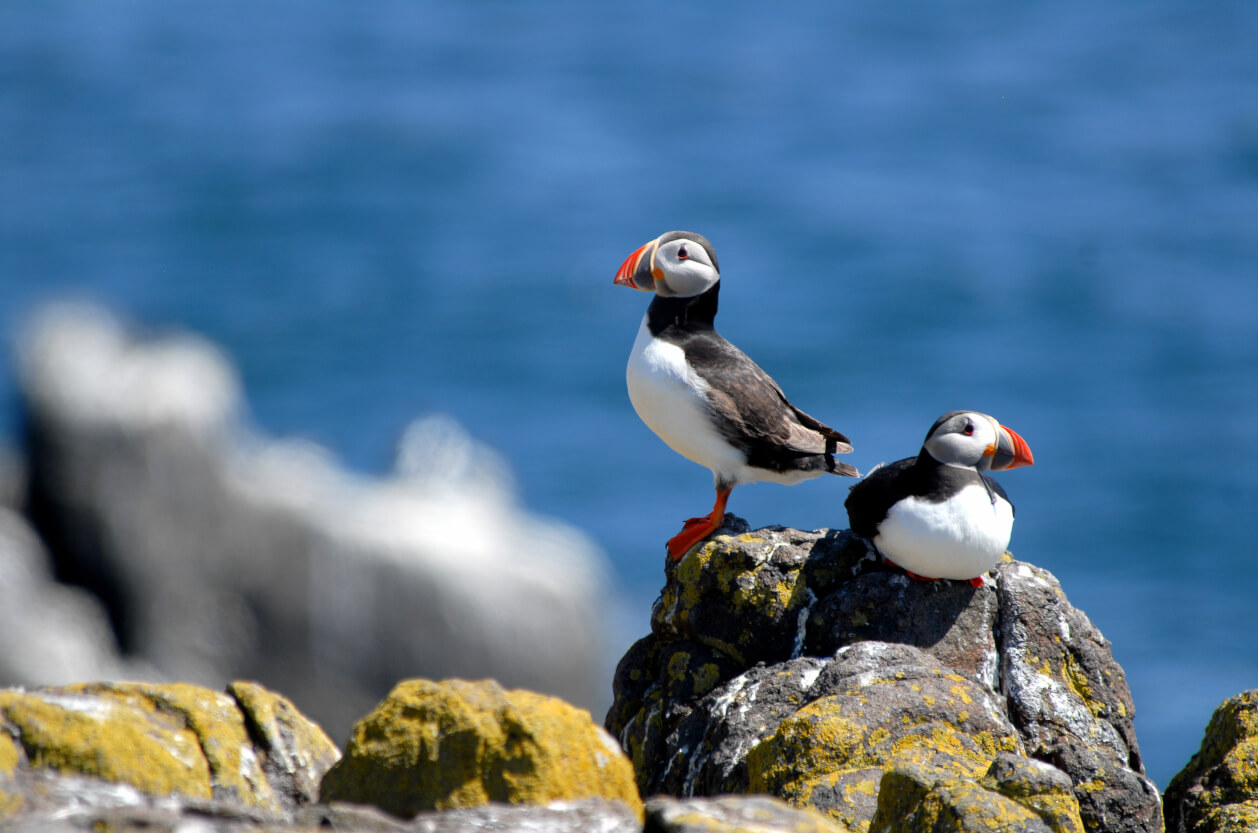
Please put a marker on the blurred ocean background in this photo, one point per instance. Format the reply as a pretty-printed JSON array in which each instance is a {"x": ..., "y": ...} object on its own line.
[{"x": 380, "y": 210}]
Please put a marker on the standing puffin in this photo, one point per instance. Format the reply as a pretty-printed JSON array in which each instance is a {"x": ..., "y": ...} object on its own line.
[
  {"x": 938, "y": 515},
  {"x": 702, "y": 395}
]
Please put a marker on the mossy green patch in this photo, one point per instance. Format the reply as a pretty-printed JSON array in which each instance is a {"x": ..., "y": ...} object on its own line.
[{"x": 432, "y": 745}]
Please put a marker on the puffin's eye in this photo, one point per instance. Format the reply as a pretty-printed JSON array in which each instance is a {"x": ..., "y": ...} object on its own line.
[
  {"x": 969, "y": 429},
  {"x": 682, "y": 254}
]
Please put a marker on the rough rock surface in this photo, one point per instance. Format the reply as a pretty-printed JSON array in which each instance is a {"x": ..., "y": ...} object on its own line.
[
  {"x": 248, "y": 748},
  {"x": 735, "y": 814},
  {"x": 1218, "y": 791},
  {"x": 797, "y": 663},
  {"x": 143, "y": 814},
  {"x": 221, "y": 554},
  {"x": 457, "y": 744}
]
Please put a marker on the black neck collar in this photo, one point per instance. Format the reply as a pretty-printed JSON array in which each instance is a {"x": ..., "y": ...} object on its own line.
[{"x": 697, "y": 312}]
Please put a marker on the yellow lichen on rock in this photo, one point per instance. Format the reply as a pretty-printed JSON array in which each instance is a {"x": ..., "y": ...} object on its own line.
[
  {"x": 9, "y": 755},
  {"x": 71, "y": 732},
  {"x": 214, "y": 719},
  {"x": 10, "y": 804},
  {"x": 442, "y": 745},
  {"x": 282, "y": 725},
  {"x": 914, "y": 798},
  {"x": 1218, "y": 790},
  {"x": 164, "y": 739}
]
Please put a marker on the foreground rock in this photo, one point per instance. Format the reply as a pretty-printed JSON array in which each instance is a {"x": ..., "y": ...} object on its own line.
[
  {"x": 220, "y": 554},
  {"x": 248, "y": 749},
  {"x": 794, "y": 663},
  {"x": 1218, "y": 791},
  {"x": 436, "y": 746},
  {"x": 129, "y": 757}
]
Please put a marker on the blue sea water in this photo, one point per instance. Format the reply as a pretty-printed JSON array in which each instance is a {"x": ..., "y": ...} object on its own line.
[{"x": 1045, "y": 211}]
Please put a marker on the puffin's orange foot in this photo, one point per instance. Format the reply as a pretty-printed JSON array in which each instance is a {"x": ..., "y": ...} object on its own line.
[
  {"x": 977, "y": 581},
  {"x": 692, "y": 532},
  {"x": 908, "y": 573}
]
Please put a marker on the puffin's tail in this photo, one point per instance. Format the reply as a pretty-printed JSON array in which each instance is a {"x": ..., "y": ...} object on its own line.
[
  {"x": 842, "y": 469},
  {"x": 835, "y": 466}
]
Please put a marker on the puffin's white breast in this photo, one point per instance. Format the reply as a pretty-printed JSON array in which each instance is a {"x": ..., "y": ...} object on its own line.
[
  {"x": 670, "y": 398},
  {"x": 959, "y": 538}
]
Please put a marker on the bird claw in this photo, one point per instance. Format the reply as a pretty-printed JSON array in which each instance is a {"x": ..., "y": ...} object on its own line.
[
  {"x": 692, "y": 532},
  {"x": 977, "y": 581}
]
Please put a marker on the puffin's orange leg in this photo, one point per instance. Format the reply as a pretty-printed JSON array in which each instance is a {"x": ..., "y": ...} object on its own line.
[
  {"x": 977, "y": 581},
  {"x": 696, "y": 529}
]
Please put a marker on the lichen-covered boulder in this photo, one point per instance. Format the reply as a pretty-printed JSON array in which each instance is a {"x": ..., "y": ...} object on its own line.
[
  {"x": 1218, "y": 791},
  {"x": 248, "y": 746},
  {"x": 797, "y": 663},
  {"x": 451, "y": 744},
  {"x": 882, "y": 706}
]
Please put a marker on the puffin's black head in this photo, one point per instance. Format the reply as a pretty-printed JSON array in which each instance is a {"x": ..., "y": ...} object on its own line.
[
  {"x": 974, "y": 440},
  {"x": 678, "y": 264}
]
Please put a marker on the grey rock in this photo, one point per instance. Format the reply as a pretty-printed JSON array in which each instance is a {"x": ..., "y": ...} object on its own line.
[
  {"x": 587, "y": 816},
  {"x": 763, "y": 638},
  {"x": 1217, "y": 792},
  {"x": 59, "y": 804},
  {"x": 914, "y": 798},
  {"x": 733, "y": 814},
  {"x": 50, "y": 633},
  {"x": 222, "y": 554}
]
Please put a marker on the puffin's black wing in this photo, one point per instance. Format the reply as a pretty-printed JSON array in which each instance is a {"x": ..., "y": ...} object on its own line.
[
  {"x": 870, "y": 499},
  {"x": 753, "y": 413}
]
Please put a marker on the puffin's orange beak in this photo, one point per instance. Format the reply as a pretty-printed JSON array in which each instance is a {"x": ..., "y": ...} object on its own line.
[
  {"x": 631, "y": 275},
  {"x": 1011, "y": 452}
]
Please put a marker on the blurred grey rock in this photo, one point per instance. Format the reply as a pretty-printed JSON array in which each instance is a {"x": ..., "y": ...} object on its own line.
[
  {"x": 50, "y": 633},
  {"x": 80, "y": 805},
  {"x": 734, "y": 814},
  {"x": 222, "y": 554}
]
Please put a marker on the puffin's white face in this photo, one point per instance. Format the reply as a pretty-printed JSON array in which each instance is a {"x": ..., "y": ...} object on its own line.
[
  {"x": 678, "y": 264},
  {"x": 968, "y": 439},
  {"x": 683, "y": 269}
]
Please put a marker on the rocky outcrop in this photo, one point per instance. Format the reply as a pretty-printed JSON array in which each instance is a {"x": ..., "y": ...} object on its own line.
[
  {"x": 248, "y": 748},
  {"x": 1218, "y": 791},
  {"x": 796, "y": 663},
  {"x": 131, "y": 758},
  {"x": 221, "y": 554},
  {"x": 437, "y": 746}
]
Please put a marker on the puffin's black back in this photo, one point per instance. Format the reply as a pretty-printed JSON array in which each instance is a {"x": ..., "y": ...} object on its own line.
[
  {"x": 922, "y": 477},
  {"x": 754, "y": 414}
]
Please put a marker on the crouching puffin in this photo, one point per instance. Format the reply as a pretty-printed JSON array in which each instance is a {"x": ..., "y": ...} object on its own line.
[
  {"x": 939, "y": 515},
  {"x": 703, "y": 396}
]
